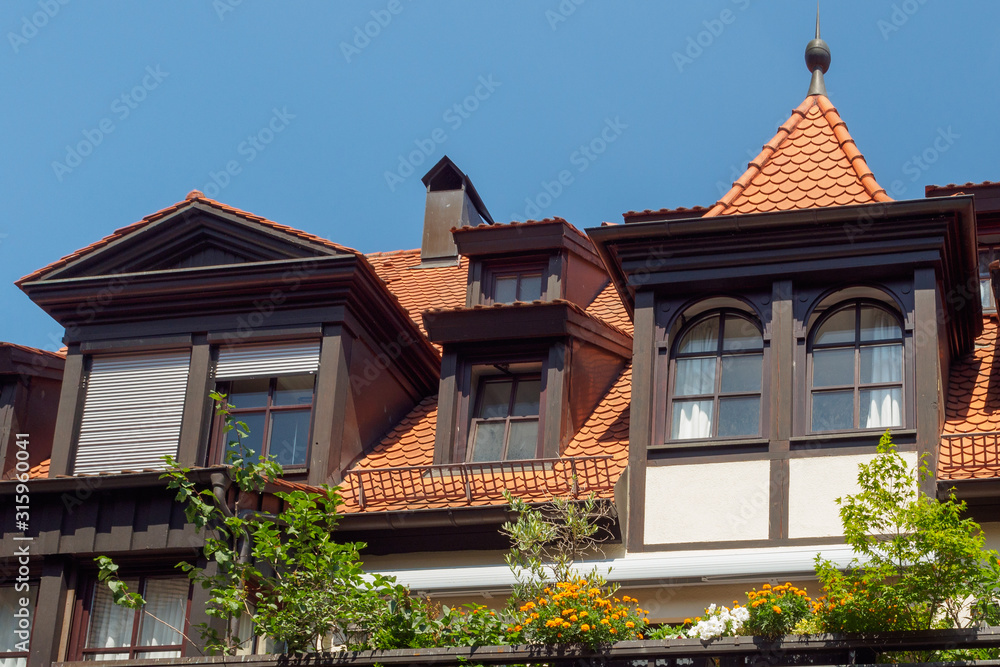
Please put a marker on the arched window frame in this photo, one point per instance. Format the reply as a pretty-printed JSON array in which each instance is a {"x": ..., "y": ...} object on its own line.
[
  {"x": 857, "y": 387},
  {"x": 667, "y": 426}
]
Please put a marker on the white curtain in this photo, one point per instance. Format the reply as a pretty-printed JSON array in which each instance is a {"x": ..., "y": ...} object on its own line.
[
  {"x": 110, "y": 625},
  {"x": 692, "y": 419},
  {"x": 883, "y": 408},
  {"x": 695, "y": 377},
  {"x": 9, "y": 605},
  {"x": 166, "y": 599}
]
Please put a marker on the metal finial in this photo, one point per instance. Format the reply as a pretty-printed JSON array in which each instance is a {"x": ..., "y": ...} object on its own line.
[{"x": 817, "y": 60}]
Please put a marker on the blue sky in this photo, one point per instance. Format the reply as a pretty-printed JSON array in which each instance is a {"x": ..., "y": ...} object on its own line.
[{"x": 321, "y": 123}]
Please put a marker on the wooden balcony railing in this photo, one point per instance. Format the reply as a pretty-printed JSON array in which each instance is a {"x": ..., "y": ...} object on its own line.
[
  {"x": 965, "y": 455},
  {"x": 573, "y": 475}
]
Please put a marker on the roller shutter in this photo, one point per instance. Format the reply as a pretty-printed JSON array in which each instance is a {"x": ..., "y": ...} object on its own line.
[
  {"x": 245, "y": 361},
  {"x": 132, "y": 412}
]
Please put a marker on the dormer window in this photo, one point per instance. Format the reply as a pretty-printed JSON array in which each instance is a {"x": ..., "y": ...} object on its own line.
[
  {"x": 505, "y": 420},
  {"x": 270, "y": 388},
  {"x": 507, "y": 284}
]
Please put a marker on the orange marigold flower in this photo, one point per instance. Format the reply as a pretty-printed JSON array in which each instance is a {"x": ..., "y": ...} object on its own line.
[
  {"x": 605, "y": 621},
  {"x": 613, "y": 631},
  {"x": 584, "y": 614},
  {"x": 574, "y": 618},
  {"x": 777, "y": 609},
  {"x": 686, "y": 621},
  {"x": 766, "y": 587},
  {"x": 646, "y": 621},
  {"x": 629, "y": 624},
  {"x": 585, "y": 627}
]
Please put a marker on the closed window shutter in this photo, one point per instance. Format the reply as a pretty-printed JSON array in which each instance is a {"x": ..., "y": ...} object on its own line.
[
  {"x": 247, "y": 361},
  {"x": 132, "y": 412}
]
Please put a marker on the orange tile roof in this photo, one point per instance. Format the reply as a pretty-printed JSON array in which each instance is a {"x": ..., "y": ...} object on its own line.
[
  {"x": 811, "y": 162},
  {"x": 419, "y": 289},
  {"x": 411, "y": 443},
  {"x": 973, "y": 407},
  {"x": 608, "y": 308},
  {"x": 193, "y": 196},
  {"x": 40, "y": 471}
]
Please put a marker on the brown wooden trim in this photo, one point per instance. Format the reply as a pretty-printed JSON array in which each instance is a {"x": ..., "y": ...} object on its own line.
[
  {"x": 782, "y": 363},
  {"x": 640, "y": 417},
  {"x": 448, "y": 409},
  {"x": 778, "y": 502},
  {"x": 744, "y": 544},
  {"x": 128, "y": 345},
  {"x": 266, "y": 335},
  {"x": 331, "y": 399},
  {"x": 554, "y": 402},
  {"x": 192, "y": 447},
  {"x": 926, "y": 373},
  {"x": 48, "y": 615},
  {"x": 70, "y": 402},
  {"x": 486, "y": 240},
  {"x": 669, "y": 457}
]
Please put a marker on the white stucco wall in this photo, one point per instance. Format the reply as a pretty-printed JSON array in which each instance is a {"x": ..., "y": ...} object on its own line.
[
  {"x": 707, "y": 502},
  {"x": 814, "y": 485}
]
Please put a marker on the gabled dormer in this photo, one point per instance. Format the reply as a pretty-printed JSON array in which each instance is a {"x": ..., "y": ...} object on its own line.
[
  {"x": 524, "y": 363},
  {"x": 201, "y": 296}
]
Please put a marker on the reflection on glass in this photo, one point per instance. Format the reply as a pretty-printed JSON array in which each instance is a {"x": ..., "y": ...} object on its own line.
[
  {"x": 739, "y": 416},
  {"x": 833, "y": 411},
  {"x": 741, "y": 373},
  {"x": 505, "y": 289},
  {"x": 531, "y": 287},
  {"x": 289, "y": 437},
  {"x": 741, "y": 334},
  {"x": 488, "y": 439},
  {"x": 838, "y": 328},
  {"x": 833, "y": 368},
  {"x": 523, "y": 440}
]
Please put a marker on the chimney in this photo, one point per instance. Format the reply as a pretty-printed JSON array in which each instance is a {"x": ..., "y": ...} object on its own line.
[{"x": 452, "y": 201}]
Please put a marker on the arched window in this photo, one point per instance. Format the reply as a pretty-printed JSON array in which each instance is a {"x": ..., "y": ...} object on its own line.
[
  {"x": 857, "y": 369},
  {"x": 716, "y": 383}
]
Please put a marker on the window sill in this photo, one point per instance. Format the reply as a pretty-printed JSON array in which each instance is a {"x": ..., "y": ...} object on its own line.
[
  {"x": 839, "y": 438},
  {"x": 713, "y": 442}
]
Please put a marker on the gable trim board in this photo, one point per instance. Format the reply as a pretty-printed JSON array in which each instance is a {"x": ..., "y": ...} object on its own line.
[{"x": 132, "y": 412}]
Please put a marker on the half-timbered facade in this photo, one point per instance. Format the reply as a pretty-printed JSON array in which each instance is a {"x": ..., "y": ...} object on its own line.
[{"x": 714, "y": 374}]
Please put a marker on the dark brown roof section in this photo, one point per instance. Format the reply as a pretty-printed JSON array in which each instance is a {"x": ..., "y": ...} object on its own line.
[
  {"x": 29, "y": 361},
  {"x": 681, "y": 213},
  {"x": 519, "y": 237}
]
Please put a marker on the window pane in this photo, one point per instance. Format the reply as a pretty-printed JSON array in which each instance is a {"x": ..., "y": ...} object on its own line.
[
  {"x": 741, "y": 373},
  {"x": 881, "y": 363},
  {"x": 531, "y": 287},
  {"x": 111, "y": 625},
  {"x": 527, "y": 397},
  {"x": 838, "y": 328},
  {"x": 166, "y": 599},
  {"x": 250, "y": 445},
  {"x": 495, "y": 400},
  {"x": 505, "y": 289},
  {"x": 294, "y": 390},
  {"x": 741, "y": 334},
  {"x": 702, "y": 337},
  {"x": 877, "y": 324},
  {"x": 523, "y": 442},
  {"x": 986, "y": 294},
  {"x": 487, "y": 441},
  {"x": 833, "y": 411},
  {"x": 695, "y": 377},
  {"x": 249, "y": 393},
  {"x": 106, "y": 656},
  {"x": 832, "y": 368},
  {"x": 739, "y": 416},
  {"x": 880, "y": 408},
  {"x": 692, "y": 419},
  {"x": 290, "y": 437}
]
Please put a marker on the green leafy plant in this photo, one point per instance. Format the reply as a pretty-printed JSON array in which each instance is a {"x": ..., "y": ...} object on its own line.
[{"x": 919, "y": 563}]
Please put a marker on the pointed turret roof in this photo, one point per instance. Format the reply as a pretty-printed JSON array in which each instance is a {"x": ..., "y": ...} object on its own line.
[{"x": 811, "y": 162}]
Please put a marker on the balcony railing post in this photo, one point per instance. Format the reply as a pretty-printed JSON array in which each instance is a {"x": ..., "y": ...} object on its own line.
[{"x": 361, "y": 489}]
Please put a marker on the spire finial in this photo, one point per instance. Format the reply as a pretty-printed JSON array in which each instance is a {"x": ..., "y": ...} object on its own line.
[{"x": 817, "y": 60}]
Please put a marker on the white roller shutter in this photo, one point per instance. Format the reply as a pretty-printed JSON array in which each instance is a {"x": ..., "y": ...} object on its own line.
[
  {"x": 132, "y": 412},
  {"x": 244, "y": 361}
]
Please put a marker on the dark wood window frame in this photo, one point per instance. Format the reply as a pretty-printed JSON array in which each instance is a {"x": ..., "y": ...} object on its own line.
[
  {"x": 220, "y": 439},
  {"x": 83, "y": 610},
  {"x": 668, "y": 387},
  {"x": 857, "y": 387},
  {"x": 988, "y": 252},
  {"x": 468, "y": 394},
  {"x": 518, "y": 269},
  {"x": 516, "y": 379}
]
